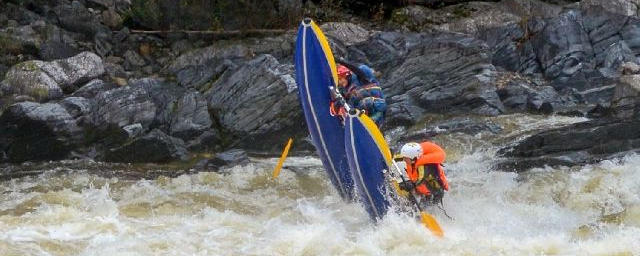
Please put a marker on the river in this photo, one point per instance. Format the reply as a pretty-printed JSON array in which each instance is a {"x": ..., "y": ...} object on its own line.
[{"x": 73, "y": 208}]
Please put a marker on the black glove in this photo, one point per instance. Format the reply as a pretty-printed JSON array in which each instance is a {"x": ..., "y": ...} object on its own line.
[
  {"x": 436, "y": 196},
  {"x": 407, "y": 186}
]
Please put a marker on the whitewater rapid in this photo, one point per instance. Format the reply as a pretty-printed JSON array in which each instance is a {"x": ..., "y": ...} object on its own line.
[{"x": 588, "y": 210}]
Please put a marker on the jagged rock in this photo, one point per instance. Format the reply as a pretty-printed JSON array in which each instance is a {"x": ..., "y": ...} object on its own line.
[
  {"x": 199, "y": 68},
  {"x": 180, "y": 112},
  {"x": 33, "y": 131},
  {"x": 155, "y": 147},
  {"x": 257, "y": 97},
  {"x": 432, "y": 72},
  {"x": 623, "y": 7}
]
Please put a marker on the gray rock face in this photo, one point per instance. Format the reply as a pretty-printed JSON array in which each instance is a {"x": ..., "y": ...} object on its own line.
[
  {"x": 156, "y": 147},
  {"x": 198, "y": 68},
  {"x": 435, "y": 72},
  {"x": 256, "y": 98},
  {"x": 33, "y": 131}
]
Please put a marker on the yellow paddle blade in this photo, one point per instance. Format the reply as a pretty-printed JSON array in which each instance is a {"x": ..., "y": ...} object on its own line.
[
  {"x": 431, "y": 223},
  {"x": 281, "y": 161}
]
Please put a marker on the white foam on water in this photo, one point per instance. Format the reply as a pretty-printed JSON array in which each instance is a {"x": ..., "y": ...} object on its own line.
[{"x": 547, "y": 211}]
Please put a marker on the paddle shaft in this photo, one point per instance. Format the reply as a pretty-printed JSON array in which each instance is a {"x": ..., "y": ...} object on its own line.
[{"x": 411, "y": 196}]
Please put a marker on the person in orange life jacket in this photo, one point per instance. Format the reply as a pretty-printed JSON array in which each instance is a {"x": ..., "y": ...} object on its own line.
[
  {"x": 425, "y": 170},
  {"x": 361, "y": 90}
]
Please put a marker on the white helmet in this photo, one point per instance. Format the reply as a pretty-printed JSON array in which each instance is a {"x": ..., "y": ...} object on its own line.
[{"x": 411, "y": 150}]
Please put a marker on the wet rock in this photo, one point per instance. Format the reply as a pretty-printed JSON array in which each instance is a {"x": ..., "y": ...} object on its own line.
[
  {"x": 231, "y": 157},
  {"x": 575, "y": 144},
  {"x": 37, "y": 132},
  {"x": 454, "y": 125},
  {"x": 208, "y": 141},
  {"x": 511, "y": 47},
  {"x": 154, "y": 147}
]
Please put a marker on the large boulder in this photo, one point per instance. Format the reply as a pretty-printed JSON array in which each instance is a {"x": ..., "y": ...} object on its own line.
[
  {"x": 45, "y": 81},
  {"x": 33, "y": 131},
  {"x": 123, "y": 106},
  {"x": 258, "y": 102}
]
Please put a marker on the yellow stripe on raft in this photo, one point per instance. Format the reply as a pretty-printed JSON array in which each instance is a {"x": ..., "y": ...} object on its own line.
[
  {"x": 327, "y": 51},
  {"x": 372, "y": 128}
]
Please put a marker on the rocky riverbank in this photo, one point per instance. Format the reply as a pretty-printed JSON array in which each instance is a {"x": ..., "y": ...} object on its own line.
[{"x": 78, "y": 82}]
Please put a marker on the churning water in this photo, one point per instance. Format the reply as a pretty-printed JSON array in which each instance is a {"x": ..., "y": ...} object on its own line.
[{"x": 588, "y": 210}]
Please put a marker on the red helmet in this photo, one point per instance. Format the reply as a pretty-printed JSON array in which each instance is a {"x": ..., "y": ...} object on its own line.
[{"x": 343, "y": 71}]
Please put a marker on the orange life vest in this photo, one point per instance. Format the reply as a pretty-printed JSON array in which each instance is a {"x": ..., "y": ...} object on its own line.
[{"x": 432, "y": 157}]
